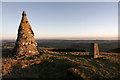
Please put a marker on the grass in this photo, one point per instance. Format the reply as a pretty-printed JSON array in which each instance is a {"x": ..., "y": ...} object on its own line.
[{"x": 71, "y": 65}]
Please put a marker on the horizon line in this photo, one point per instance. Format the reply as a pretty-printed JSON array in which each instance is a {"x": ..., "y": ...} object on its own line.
[{"x": 64, "y": 39}]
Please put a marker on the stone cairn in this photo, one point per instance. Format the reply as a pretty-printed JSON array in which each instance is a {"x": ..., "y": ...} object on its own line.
[
  {"x": 94, "y": 50},
  {"x": 25, "y": 43}
]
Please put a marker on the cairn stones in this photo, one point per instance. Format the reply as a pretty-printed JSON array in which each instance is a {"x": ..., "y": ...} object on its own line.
[
  {"x": 25, "y": 43},
  {"x": 94, "y": 50}
]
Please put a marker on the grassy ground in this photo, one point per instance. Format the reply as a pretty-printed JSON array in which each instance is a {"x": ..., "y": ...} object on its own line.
[{"x": 63, "y": 65}]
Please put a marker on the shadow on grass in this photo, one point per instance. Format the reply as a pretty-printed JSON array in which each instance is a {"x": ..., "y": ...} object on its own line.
[
  {"x": 45, "y": 70},
  {"x": 81, "y": 56},
  {"x": 6, "y": 53},
  {"x": 58, "y": 69},
  {"x": 108, "y": 63},
  {"x": 72, "y": 56}
]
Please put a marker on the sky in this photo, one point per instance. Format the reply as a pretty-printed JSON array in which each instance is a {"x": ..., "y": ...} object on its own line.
[{"x": 63, "y": 20}]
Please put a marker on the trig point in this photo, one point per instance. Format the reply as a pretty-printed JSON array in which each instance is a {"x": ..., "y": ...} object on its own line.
[
  {"x": 25, "y": 43},
  {"x": 94, "y": 50}
]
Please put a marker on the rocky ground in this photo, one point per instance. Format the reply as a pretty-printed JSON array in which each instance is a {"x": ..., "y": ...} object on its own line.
[{"x": 62, "y": 65}]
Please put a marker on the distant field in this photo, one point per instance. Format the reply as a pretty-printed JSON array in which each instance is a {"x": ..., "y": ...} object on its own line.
[
  {"x": 104, "y": 45},
  {"x": 80, "y": 45}
]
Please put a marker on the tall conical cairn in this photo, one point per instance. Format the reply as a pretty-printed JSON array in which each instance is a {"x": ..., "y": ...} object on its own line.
[{"x": 25, "y": 43}]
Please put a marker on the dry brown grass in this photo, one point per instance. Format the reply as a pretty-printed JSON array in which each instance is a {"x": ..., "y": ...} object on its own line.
[{"x": 76, "y": 63}]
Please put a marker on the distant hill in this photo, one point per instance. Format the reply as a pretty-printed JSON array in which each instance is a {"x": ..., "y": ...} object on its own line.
[
  {"x": 104, "y": 45},
  {"x": 117, "y": 50}
]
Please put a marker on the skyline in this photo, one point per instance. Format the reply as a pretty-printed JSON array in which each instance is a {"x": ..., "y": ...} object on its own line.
[{"x": 63, "y": 20}]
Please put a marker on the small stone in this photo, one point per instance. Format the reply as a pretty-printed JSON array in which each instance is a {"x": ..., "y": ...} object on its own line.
[{"x": 29, "y": 51}]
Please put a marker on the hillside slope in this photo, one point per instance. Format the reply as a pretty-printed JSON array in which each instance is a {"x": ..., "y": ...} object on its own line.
[{"x": 62, "y": 65}]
